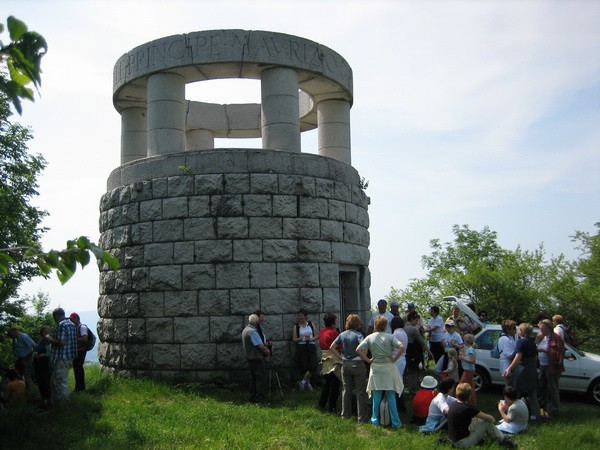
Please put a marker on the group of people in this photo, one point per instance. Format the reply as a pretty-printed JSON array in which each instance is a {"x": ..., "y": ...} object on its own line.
[
  {"x": 520, "y": 354},
  {"x": 384, "y": 365},
  {"x": 47, "y": 362}
]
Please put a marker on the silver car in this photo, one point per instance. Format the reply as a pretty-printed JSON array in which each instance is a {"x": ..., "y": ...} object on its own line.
[{"x": 582, "y": 369}]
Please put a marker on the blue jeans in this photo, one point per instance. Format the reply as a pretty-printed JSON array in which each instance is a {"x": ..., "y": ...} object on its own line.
[{"x": 391, "y": 399}]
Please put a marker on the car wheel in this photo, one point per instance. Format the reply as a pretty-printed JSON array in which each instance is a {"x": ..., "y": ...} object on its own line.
[
  {"x": 594, "y": 392},
  {"x": 481, "y": 379}
]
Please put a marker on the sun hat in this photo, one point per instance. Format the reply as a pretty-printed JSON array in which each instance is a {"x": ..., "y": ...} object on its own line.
[{"x": 428, "y": 382}]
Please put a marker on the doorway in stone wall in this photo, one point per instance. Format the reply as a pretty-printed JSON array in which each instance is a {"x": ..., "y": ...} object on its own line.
[{"x": 350, "y": 293}]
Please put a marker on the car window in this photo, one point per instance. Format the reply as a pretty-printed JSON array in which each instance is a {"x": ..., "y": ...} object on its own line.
[{"x": 485, "y": 341}]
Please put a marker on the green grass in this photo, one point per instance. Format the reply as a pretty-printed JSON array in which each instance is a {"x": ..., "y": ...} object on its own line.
[{"x": 119, "y": 413}]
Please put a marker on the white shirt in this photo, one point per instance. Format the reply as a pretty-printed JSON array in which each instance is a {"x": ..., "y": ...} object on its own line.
[
  {"x": 438, "y": 334},
  {"x": 506, "y": 345},
  {"x": 401, "y": 335},
  {"x": 560, "y": 331},
  {"x": 543, "y": 356},
  {"x": 449, "y": 337}
]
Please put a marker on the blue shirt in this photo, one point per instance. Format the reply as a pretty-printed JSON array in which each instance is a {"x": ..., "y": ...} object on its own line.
[
  {"x": 349, "y": 340},
  {"x": 22, "y": 345},
  {"x": 256, "y": 339}
]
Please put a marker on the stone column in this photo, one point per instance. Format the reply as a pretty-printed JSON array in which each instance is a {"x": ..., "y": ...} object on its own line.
[
  {"x": 333, "y": 120},
  {"x": 280, "y": 123},
  {"x": 134, "y": 141},
  {"x": 200, "y": 139},
  {"x": 166, "y": 113}
]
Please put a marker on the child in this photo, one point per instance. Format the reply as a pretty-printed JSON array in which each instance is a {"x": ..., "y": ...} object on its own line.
[
  {"x": 14, "y": 392},
  {"x": 463, "y": 432},
  {"x": 422, "y": 400},
  {"x": 452, "y": 369},
  {"x": 468, "y": 358},
  {"x": 514, "y": 412},
  {"x": 438, "y": 407}
]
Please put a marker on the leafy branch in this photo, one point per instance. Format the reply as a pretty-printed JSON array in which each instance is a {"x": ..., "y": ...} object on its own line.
[
  {"x": 63, "y": 262},
  {"x": 23, "y": 56}
]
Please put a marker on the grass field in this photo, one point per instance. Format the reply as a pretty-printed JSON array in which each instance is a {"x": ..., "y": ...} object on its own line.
[{"x": 117, "y": 413}]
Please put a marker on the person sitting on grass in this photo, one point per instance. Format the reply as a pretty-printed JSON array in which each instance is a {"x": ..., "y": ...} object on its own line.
[
  {"x": 438, "y": 408},
  {"x": 14, "y": 392},
  {"x": 422, "y": 400},
  {"x": 462, "y": 432},
  {"x": 514, "y": 412}
]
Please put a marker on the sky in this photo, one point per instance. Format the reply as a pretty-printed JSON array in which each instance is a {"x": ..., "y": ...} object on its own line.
[{"x": 484, "y": 113}]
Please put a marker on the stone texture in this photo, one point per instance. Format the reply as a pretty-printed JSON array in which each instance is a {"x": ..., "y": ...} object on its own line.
[
  {"x": 247, "y": 250},
  {"x": 191, "y": 329},
  {"x": 280, "y": 250},
  {"x": 198, "y": 356},
  {"x": 297, "y": 274},
  {"x": 226, "y": 329},
  {"x": 301, "y": 228},
  {"x": 214, "y": 301},
  {"x": 263, "y": 275},
  {"x": 265, "y": 228},
  {"x": 244, "y": 301},
  {"x": 232, "y": 227},
  {"x": 214, "y": 251},
  {"x": 285, "y": 205},
  {"x": 234, "y": 275},
  {"x": 181, "y": 303},
  {"x": 198, "y": 276},
  {"x": 159, "y": 330},
  {"x": 279, "y": 301}
]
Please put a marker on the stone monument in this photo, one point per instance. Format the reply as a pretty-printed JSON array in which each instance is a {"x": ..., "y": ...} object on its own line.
[{"x": 206, "y": 236}]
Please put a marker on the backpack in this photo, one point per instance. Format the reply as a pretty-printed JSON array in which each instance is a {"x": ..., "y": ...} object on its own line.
[
  {"x": 91, "y": 341},
  {"x": 384, "y": 413},
  {"x": 569, "y": 336},
  {"x": 495, "y": 351}
]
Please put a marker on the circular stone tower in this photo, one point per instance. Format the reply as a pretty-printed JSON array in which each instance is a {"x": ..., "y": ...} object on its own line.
[{"x": 206, "y": 236}]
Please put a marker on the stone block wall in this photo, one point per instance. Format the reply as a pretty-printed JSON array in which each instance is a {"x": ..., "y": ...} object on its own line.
[{"x": 205, "y": 238}]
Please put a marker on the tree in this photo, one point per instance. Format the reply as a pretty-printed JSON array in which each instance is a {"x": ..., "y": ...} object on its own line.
[
  {"x": 28, "y": 322},
  {"x": 20, "y": 222},
  {"x": 23, "y": 57},
  {"x": 507, "y": 284},
  {"x": 513, "y": 284}
]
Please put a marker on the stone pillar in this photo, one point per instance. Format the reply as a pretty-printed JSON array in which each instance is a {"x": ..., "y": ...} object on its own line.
[
  {"x": 200, "y": 140},
  {"x": 280, "y": 124},
  {"x": 134, "y": 142},
  {"x": 333, "y": 118},
  {"x": 166, "y": 113}
]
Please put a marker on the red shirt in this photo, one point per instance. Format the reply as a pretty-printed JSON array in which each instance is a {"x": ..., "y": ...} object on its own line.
[
  {"x": 420, "y": 407},
  {"x": 327, "y": 336}
]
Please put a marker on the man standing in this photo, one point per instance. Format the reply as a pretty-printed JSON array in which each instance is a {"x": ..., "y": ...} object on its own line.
[
  {"x": 64, "y": 351},
  {"x": 414, "y": 352},
  {"x": 551, "y": 354},
  {"x": 410, "y": 308},
  {"x": 395, "y": 309},
  {"x": 23, "y": 348},
  {"x": 255, "y": 351},
  {"x": 82, "y": 339},
  {"x": 382, "y": 311}
]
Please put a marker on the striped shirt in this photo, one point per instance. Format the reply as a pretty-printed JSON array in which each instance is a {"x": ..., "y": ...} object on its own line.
[{"x": 66, "y": 332}]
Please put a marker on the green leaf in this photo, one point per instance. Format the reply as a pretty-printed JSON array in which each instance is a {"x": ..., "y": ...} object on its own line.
[
  {"x": 16, "y": 28},
  {"x": 109, "y": 259}
]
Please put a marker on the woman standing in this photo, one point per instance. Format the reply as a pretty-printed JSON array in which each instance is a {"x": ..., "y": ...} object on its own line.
[
  {"x": 354, "y": 373},
  {"x": 330, "y": 363},
  {"x": 524, "y": 367},
  {"x": 384, "y": 376},
  {"x": 305, "y": 335}
]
